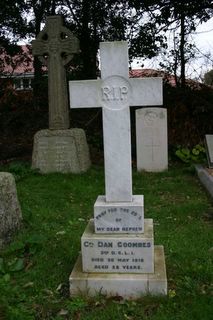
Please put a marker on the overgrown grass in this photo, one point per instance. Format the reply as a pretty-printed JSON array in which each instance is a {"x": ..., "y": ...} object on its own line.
[{"x": 35, "y": 267}]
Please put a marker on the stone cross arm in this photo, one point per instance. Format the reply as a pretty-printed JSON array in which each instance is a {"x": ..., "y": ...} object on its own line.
[
  {"x": 143, "y": 92},
  {"x": 68, "y": 45},
  {"x": 55, "y": 40}
]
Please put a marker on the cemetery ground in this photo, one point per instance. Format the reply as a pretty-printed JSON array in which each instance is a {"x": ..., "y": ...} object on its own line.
[{"x": 35, "y": 267}]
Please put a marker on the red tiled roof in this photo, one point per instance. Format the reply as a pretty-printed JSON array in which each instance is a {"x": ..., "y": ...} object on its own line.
[
  {"x": 18, "y": 64},
  {"x": 144, "y": 73},
  {"x": 167, "y": 77},
  {"x": 23, "y": 63}
]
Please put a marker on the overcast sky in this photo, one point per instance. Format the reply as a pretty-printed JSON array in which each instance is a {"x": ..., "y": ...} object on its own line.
[
  {"x": 203, "y": 38},
  {"x": 204, "y": 35}
]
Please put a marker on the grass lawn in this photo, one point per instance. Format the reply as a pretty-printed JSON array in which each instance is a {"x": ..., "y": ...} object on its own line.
[{"x": 35, "y": 267}]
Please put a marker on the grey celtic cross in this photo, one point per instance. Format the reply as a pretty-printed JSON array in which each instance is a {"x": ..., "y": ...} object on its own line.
[{"x": 55, "y": 45}]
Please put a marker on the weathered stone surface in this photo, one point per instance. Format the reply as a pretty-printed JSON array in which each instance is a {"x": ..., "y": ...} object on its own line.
[
  {"x": 205, "y": 178},
  {"x": 61, "y": 151},
  {"x": 119, "y": 217},
  {"x": 129, "y": 286},
  {"x": 118, "y": 253},
  {"x": 151, "y": 139},
  {"x": 58, "y": 45},
  {"x": 10, "y": 211}
]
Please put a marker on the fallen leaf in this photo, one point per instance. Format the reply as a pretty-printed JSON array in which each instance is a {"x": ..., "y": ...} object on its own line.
[
  {"x": 59, "y": 287},
  {"x": 172, "y": 293},
  {"x": 28, "y": 284},
  {"x": 63, "y": 312},
  {"x": 81, "y": 219},
  {"x": 60, "y": 232},
  {"x": 28, "y": 266}
]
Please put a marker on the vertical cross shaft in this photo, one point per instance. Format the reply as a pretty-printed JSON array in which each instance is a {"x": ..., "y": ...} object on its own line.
[{"x": 116, "y": 122}]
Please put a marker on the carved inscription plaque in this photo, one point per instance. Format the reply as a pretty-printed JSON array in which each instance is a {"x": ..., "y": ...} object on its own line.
[
  {"x": 127, "y": 217},
  {"x": 115, "y": 93},
  {"x": 55, "y": 153},
  {"x": 120, "y": 254},
  {"x": 60, "y": 151}
]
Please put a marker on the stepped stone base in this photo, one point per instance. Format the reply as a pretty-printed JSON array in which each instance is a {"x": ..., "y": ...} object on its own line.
[
  {"x": 61, "y": 151},
  {"x": 118, "y": 253},
  {"x": 128, "y": 286}
]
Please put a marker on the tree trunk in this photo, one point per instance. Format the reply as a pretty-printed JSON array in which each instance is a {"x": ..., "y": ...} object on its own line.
[
  {"x": 88, "y": 47},
  {"x": 53, "y": 8},
  {"x": 37, "y": 65},
  {"x": 182, "y": 50}
]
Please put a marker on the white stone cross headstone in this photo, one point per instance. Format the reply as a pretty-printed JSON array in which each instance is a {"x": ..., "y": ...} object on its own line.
[{"x": 115, "y": 92}]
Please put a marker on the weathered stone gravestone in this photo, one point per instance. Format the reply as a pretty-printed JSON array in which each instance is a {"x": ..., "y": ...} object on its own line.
[
  {"x": 151, "y": 139},
  {"x": 10, "y": 211},
  {"x": 118, "y": 253},
  {"x": 58, "y": 149},
  {"x": 209, "y": 149}
]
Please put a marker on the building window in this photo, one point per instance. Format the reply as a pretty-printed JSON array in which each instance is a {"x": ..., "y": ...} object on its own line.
[
  {"x": 27, "y": 83},
  {"x": 23, "y": 83}
]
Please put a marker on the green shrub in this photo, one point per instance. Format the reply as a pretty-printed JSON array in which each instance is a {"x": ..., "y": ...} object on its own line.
[
  {"x": 195, "y": 155},
  {"x": 18, "y": 169}
]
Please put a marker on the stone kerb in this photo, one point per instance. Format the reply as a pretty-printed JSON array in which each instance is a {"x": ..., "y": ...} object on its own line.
[
  {"x": 209, "y": 149},
  {"x": 10, "y": 211}
]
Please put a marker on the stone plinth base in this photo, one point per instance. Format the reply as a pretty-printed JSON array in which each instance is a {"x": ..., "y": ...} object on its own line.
[
  {"x": 118, "y": 253},
  {"x": 60, "y": 151},
  {"x": 128, "y": 286},
  {"x": 119, "y": 217}
]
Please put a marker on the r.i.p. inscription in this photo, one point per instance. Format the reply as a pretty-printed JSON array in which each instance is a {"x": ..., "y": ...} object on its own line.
[{"x": 115, "y": 93}]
